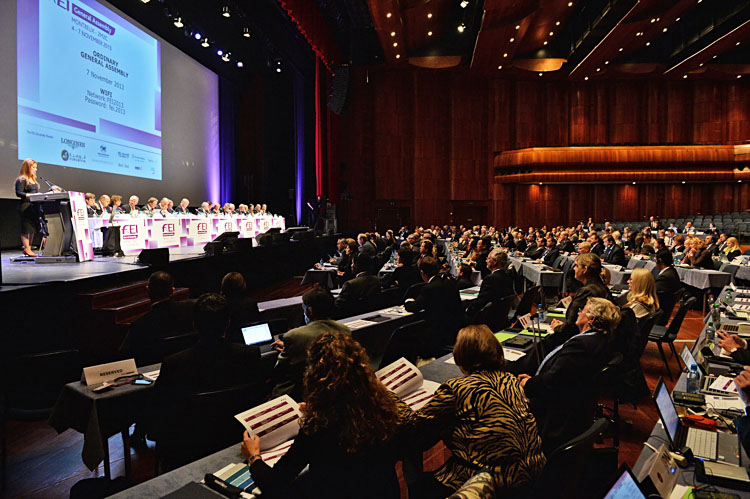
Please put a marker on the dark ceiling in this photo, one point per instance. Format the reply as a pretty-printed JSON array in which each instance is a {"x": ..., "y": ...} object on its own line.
[{"x": 559, "y": 39}]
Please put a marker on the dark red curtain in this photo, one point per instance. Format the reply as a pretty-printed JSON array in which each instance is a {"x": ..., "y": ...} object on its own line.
[{"x": 310, "y": 22}]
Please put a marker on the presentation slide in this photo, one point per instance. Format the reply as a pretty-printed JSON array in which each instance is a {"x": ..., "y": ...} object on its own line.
[{"x": 89, "y": 89}]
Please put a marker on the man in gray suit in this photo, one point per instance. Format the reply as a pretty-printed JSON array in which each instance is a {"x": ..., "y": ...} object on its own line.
[{"x": 318, "y": 306}]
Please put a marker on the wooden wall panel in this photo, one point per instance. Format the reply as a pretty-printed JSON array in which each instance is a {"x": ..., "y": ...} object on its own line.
[{"x": 427, "y": 138}]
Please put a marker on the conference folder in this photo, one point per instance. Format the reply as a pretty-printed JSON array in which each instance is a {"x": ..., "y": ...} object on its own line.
[{"x": 276, "y": 422}]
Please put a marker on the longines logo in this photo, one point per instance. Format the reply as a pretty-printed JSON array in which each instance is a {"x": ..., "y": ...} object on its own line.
[
  {"x": 73, "y": 144},
  {"x": 65, "y": 155}
]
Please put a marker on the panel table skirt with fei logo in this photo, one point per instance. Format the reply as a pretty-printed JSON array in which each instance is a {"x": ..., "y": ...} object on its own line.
[{"x": 138, "y": 233}]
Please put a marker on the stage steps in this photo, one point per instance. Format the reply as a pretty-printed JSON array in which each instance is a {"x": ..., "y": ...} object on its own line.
[{"x": 104, "y": 316}]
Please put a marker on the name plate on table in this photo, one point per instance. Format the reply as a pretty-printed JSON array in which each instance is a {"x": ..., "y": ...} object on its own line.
[
  {"x": 199, "y": 230},
  {"x": 166, "y": 232},
  {"x": 102, "y": 373},
  {"x": 247, "y": 227},
  {"x": 226, "y": 225},
  {"x": 132, "y": 235},
  {"x": 264, "y": 224}
]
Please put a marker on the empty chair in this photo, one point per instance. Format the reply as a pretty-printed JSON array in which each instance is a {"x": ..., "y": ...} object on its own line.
[
  {"x": 661, "y": 334},
  {"x": 404, "y": 342}
]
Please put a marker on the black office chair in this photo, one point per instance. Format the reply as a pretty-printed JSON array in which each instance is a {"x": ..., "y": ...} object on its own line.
[
  {"x": 529, "y": 299},
  {"x": 32, "y": 396},
  {"x": 667, "y": 302},
  {"x": 567, "y": 465},
  {"x": 414, "y": 290},
  {"x": 607, "y": 377},
  {"x": 661, "y": 334},
  {"x": 495, "y": 315},
  {"x": 201, "y": 424},
  {"x": 404, "y": 342},
  {"x": 173, "y": 344},
  {"x": 391, "y": 297}
]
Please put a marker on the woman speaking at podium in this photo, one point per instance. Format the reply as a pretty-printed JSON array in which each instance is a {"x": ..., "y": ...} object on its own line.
[{"x": 30, "y": 213}]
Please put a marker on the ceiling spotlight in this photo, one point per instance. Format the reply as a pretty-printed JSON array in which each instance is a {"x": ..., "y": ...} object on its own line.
[
  {"x": 620, "y": 49},
  {"x": 219, "y": 52},
  {"x": 278, "y": 70},
  {"x": 677, "y": 20},
  {"x": 664, "y": 30},
  {"x": 226, "y": 56},
  {"x": 395, "y": 44},
  {"x": 429, "y": 15},
  {"x": 461, "y": 28},
  {"x": 653, "y": 19},
  {"x": 739, "y": 76},
  {"x": 518, "y": 26},
  {"x": 388, "y": 15},
  {"x": 640, "y": 33},
  {"x": 714, "y": 57},
  {"x": 246, "y": 32},
  {"x": 429, "y": 33},
  {"x": 398, "y": 56},
  {"x": 197, "y": 35},
  {"x": 393, "y": 33},
  {"x": 551, "y": 33},
  {"x": 540, "y": 183},
  {"x": 277, "y": 63},
  {"x": 598, "y": 69},
  {"x": 240, "y": 65},
  {"x": 586, "y": 78},
  {"x": 178, "y": 22},
  {"x": 684, "y": 77},
  {"x": 700, "y": 65},
  {"x": 505, "y": 54},
  {"x": 205, "y": 43},
  {"x": 570, "y": 4},
  {"x": 737, "y": 43},
  {"x": 557, "y": 23},
  {"x": 540, "y": 74},
  {"x": 464, "y": 4},
  {"x": 606, "y": 62},
  {"x": 545, "y": 42},
  {"x": 225, "y": 11},
  {"x": 145, "y": 1},
  {"x": 500, "y": 67},
  {"x": 648, "y": 44},
  {"x": 633, "y": 183},
  {"x": 683, "y": 181},
  {"x": 512, "y": 40}
]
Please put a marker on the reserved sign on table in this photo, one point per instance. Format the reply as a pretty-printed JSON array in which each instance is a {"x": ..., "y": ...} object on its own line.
[{"x": 102, "y": 373}]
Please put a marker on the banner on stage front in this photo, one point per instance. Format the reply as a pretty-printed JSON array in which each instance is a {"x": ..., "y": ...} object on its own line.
[
  {"x": 198, "y": 230},
  {"x": 166, "y": 233},
  {"x": 132, "y": 235},
  {"x": 80, "y": 221}
]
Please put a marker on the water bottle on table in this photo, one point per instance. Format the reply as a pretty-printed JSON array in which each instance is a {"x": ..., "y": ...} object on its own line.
[{"x": 693, "y": 380}]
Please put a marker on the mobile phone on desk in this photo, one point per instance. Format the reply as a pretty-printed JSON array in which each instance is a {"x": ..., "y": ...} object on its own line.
[{"x": 141, "y": 382}]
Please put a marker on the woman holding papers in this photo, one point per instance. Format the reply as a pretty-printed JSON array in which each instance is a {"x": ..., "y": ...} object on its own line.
[
  {"x": 488, "y": 417},
  {"x": 346, "y": 433}
]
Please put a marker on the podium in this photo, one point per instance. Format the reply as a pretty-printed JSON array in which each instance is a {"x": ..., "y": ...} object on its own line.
[{"x": 67, "y": 223}]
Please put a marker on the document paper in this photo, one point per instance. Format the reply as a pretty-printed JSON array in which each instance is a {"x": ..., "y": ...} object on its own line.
[{"x": 406, "y": 381}]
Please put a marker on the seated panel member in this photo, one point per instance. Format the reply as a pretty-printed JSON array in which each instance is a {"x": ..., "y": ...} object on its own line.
[
  {"x": 561, "y": 394},
  {"x": 361, "y": 294},
  {"x": 104, "y": 202},
  {"x": 91, "y": 207},
  {"x": 151, "y": 206},
  {"x": 132, "y": 206},
  {"x": 183, "y": 209},
  {"x": 318, "y": 307},
  {"x": 116, "y": 206}
]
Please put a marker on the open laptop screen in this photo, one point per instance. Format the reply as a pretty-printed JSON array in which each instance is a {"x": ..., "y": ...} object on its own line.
[
  {"x": 254, "y": 335},
  {"x": 626, "y": 486},
  {"x": 668, "y": 413}
]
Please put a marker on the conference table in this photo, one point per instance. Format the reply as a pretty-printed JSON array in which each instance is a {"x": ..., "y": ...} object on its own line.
[
  {"x": 658, "y": 435},
  {"x": 537, "y": 273},
  {"x": 737, "y": 271}
]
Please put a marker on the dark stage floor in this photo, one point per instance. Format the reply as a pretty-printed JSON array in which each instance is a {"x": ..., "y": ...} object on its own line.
[{"x": 17, "y": 274}]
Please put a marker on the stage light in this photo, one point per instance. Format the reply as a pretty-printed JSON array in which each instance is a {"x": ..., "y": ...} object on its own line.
[
  {"x": 219, "y": 52},
  {"x": 461, "y": 28},
  {"x": 246, "y": 32},
  {"x": 240, "y": 65},
  {"x": 197, "y": 35},
  {"x": 278, "y": 65},
  {"x": 388, "y": 15},
  {"x": 226, "y": 57},
  {"x": 500, "y": 67},
  {"x": 518, "y": 26},
  {"x": 205, "y": 43},
  {"x": 398, "y": 56},
  {"x": 145, "y": 1},
  {"x": 178, "y": 22},
  {"x": 464, "y": 4},
  {"x": 585, "y": 78},
  {"x": 429, "y": 33},
  {"x": 684, "y": 77},
  {"x": 512, "y": 40},
  {"x": 225, "y": 11},
  {"x": 683, "y": 181}
]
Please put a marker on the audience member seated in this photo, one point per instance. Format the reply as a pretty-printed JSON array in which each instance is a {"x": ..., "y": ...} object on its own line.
[
  {"x": 166, "y": 318},
  {"x": 486, "y": 418},
  {"x": 361, "y": 294},
  {"x": 735, "y": 346},
  {"x": 318, "y": 307},
  {"x": 742, "y": 423},
  {"x": 212, "y": 364},
  {"x": 596, "y": 245},
  {"x": 588, "y": 269},
  {"x": 405, "y": 274},
  {"x": 698, "y": 256},
  {"x": 606, "y": 276},
  {"x": 642, "y": 297},
  {"x": 464, "y": 277},
  {"x": 345, "y": 271},
  {"x": 483, "y": 250},
  {"x": 347, "y": 432},
  {"x": 613, "y": 253},
  {"x": 550, "y": 253},
  {"x": 732, "y": 249},
  {"x": 243, "y": 310},
  {"x": 497, "y": 285},
  {"x": 365, "y": 246},
  {"x": 562, "y": 392},
  {"x": 441, "y": 302},
  {"x": 679, "y": 244}
]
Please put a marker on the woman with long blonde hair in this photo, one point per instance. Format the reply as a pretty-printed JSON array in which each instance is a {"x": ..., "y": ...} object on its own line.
[
  {"x": 26, "y": 184},
  {"x": 642, "y": 299}
]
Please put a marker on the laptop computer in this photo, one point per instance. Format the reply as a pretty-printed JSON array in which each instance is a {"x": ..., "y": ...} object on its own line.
[
  {"x": 710, "y": 445},
  {"x": 259, "y": 335},
  {"x": 626, "y": 486}
]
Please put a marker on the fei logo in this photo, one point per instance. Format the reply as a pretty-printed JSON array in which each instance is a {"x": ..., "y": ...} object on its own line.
[
  {"x": 129, "y": 231},
  {"x": 167, "y": 230},
  {"x": 228, "y": 226},
  {"x": 202, "y": 228},
  {"x": 81, "y": 214},
  {"x": 63, "y": 4}
]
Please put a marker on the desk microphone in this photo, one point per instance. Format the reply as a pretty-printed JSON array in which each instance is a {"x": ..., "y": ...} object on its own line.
[{"x": 45, "y": 181}]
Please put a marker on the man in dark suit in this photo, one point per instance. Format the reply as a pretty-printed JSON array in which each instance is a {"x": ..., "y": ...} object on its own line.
[
  {"x": 564, "y": 244},
  {"x": 361, "y": 294},
  {"x": 243, "y": 310},
  {"x": 483, "y": 250},
  {"x": 441, "y": 302},
  {"x": 535, "y": 251},
  {"x": 562, "y": 392},
  {"x": 464, "y": 277},
  {"x": 654, "y": 223},
  {"x": 132, "y": 206},
  {"x": 587, "y": 270},
  {"x": 365, "y": 246},
  {"x": 405, "y": 274},
  {"x": 183, "y": 208},
  {"x": 497, "y": 285},
  {"x": 711, "y": 246},
  {"x": 613, "y": 253},
  {"x": 596, "y": 245},
  {"x": 166, "y": 318},
  {"x": 667, "y": 280},
  {"x": 550, "y": 253}
]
